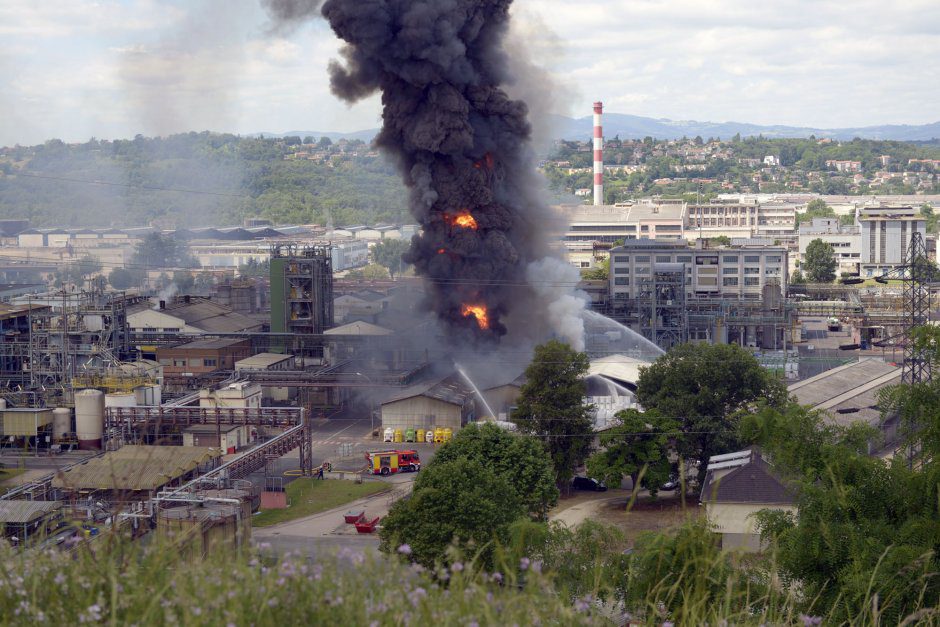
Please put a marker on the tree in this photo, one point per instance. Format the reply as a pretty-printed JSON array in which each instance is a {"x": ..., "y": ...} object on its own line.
[
  {"x": 204, "y": 283},
  {"x": 816, "y": 208},
  {"x": 184, "y": 281},
  {"x": 638, "y": 444},
  {"x": 463, "y": 503},
  {"x": 720, "y": 240},
  {"x": 371, "y": 272},
  {"x": 159, "y": 251},
  {"x": 77, "y": 273},
  {"x": 388, "y": 253},
  {"x": 928, "y": 212},
  {"x": 124, "y": 278},
  {"x": 520, "y": 459},
  {"x": 797, "y": 277},
  {"x": 820, "y": 264},
  {"x": 600, "y": 272},
  {"x": 703, "y": 387},
  {"x": 551, "y": 406},
  {"x": 325, "y": 142}
]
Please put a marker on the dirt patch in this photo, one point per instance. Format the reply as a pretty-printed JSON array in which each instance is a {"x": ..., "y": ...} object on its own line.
[{"x": 610, "y": 508}]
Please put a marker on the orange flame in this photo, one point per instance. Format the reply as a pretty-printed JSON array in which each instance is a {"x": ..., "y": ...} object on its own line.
[
  {"x": 479, "y": 312},
  {"x": 464, "y": 220},
  {"x": 441, "y": 251},
  {"x": 487, "y": 161}
]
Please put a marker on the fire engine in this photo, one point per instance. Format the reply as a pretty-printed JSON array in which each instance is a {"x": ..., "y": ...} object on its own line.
[{"x": 390, "y": 462}]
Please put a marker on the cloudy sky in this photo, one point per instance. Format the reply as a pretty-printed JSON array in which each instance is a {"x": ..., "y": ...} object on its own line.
[{"x": 74, "y": 69}]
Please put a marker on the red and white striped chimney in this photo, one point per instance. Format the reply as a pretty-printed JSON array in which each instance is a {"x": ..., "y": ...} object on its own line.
[{"x": 598, "y": 154}]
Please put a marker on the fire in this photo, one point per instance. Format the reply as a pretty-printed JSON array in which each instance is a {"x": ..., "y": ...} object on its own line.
[
  {"x": 479, "y": 312},
  {"x": 487, "y": 162},
  {"x": 464, "y": 220},
  {"x": 441, "y": 251}
]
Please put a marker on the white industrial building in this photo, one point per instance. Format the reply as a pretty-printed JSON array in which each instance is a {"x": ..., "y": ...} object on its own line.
[
  {"x": 445, "y": 403},
  {"x": 843, "y": 239},
  {"x": 729, "y": 272},
  {"x": 886, "y": 235}
]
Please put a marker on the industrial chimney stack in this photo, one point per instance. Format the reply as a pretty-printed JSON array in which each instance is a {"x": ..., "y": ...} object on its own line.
[{"x": 598, "y": 154}]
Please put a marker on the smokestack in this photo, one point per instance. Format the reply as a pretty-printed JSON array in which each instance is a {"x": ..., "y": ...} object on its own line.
[{"x": 598, "y": 154}]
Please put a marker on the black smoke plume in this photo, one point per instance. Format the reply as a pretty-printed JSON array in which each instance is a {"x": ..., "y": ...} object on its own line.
[{"x": 461, "y": 143}]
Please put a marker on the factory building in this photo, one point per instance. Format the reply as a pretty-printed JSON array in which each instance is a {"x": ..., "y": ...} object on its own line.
[
  {"x": 886, "y": 235},
  {"x": 440, "y": 403},
  {"x": 673, "y": 293},
  {"x": 188, "y": 314},
  {"x": 301, "y": 289},
  {"x": 845, "y": 241},
  {"x": 201, "y": 357}
]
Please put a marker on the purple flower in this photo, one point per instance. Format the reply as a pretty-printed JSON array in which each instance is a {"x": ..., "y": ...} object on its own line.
[
  {"x": 456, "y": 567},
  {"x": 404, "y": 549},
  {"x": 416, "y": 595},
  {"x": 810, "y": 621},
  {"x": 537, "y": 566},
  {"x": 524, "y": 563},
  {"x": 583, "y": 604},
  {"x": 497, "y": 577}
]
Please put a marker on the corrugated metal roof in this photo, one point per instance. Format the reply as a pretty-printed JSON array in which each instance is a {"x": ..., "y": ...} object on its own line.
[
  {"x": 848, "y": 393},
  {"x": 22, "y": 512},
  {"x": 448, "y": 390},
  {"x": 135, "y": 468},
  {"x": 751, "y": 482}
]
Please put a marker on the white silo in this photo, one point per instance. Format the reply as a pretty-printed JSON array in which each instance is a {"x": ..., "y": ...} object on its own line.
[
  {"x": 89, "y": 418},
  {"x": 120, "y": 399},
  {"x": 61, "y": 423}
]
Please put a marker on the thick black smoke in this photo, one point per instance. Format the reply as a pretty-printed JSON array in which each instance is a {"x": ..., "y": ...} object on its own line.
[
  {"x": 462, "y": 144},
  {"x": 288, "y": 12}
]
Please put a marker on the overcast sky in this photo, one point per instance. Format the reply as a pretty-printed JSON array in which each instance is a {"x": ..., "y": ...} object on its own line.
[{"x": 74, "y": 69}]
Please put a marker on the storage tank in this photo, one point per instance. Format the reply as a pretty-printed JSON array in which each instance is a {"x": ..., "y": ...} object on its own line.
[
  {"x": 120, "y": 399},
  {"x": 89, "y": 418},
  {"x": 3, "y": 403},
  {"x": 149, "y": 396},
  {"x": 61, "y": 423}
]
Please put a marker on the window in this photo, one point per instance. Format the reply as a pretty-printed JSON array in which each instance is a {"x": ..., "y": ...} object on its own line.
[
  {"x": 751, "y": 258},
  {"x": 171, "y": 330},
  {"x": 663, "y": 259},
  {"x": 709, "y": 281},
  {"x": 775, "y": 258},
  {"x": 730, "y": 259},
  {"x": 621, "y": 258},
  {"x": 165, "y": 362},
  {"x": 730, "y": 281},
  {"x": 729, "y": 270},
  {"x": 752, "y": 271},
  {"x": 179, "y": 363},
  {"x": 751, "y": 281},
  {"x": 643, "y": 270},
  {"x": 621, "y": 269},
  {"x": 642, "y": 259},
  {"x": 684, "y": 259},
  {"x": 209, "y": 362},
  {"x": 622, "y": 280},
  {"x": 195, "y": 362}
]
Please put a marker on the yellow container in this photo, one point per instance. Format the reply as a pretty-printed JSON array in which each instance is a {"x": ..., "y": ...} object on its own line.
[
  {"x": 438, "y": 435},
  {"x": 419, "y": 435},
  {"x": 398, "y": 435},
  {"x": 448, "y": 434}
]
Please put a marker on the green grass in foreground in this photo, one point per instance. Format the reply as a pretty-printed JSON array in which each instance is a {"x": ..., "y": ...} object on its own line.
[{"x": 306, "y": 497}]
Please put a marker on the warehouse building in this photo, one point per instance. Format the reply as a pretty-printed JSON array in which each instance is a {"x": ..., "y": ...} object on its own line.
[{"x": 445, "y": 403}]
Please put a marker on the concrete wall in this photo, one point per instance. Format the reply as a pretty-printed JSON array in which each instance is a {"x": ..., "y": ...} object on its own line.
[
  {"x": 736, "y": 521},
  {"x": 421, "y": 411}
]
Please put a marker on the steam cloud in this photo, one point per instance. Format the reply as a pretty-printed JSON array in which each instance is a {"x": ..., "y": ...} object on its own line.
[{"x": 462, "y": 146}]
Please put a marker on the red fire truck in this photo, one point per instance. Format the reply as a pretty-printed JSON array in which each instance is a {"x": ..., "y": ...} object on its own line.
[{"x": 390, "y": 462}]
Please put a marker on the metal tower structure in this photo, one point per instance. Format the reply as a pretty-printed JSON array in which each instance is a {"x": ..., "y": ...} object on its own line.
[
  {"x": 663, "y": 313},
  {"x": 918, "y": 274}
]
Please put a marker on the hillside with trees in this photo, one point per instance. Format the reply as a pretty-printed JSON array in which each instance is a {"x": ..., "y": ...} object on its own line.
[{"x": 199, "y": 179}]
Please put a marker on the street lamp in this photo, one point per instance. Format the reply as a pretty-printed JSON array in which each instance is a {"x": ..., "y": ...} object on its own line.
[{"x": 371, "y": 405}]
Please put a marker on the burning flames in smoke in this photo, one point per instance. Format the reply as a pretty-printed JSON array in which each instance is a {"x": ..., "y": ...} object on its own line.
[
  {"x": 463, "y": 220},
  {"x": 479, "y": 312}
]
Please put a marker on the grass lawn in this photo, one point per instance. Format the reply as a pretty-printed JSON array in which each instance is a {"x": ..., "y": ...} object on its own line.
[
  {"x": 306, "y": 497},
  {"x": 8, "y": 473}
]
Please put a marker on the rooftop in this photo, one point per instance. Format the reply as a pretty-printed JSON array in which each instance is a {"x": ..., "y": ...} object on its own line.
[
  {"x": 23, "y": 512},
  {"x": 203, "y": 314},
  {"x": 261, "y": 361},
  {"x": 135, "y": 468},
  {"x": 209, "y": 344},
  {"x": 848, "y": 393},
  {"x": 752, "y": 481},
  {"x": 449, "y": 390}
]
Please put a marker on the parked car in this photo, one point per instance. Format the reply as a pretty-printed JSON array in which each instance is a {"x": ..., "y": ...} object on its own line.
[
  {"x": 588, "y": 483},
  {"x": 670, "y": 485}
]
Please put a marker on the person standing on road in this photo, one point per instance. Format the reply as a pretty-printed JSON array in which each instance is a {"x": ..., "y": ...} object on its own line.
[{"x": 320, "y": 472}]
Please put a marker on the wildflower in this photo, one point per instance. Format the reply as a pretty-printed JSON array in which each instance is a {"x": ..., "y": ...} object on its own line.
[
  {"x": 416, "y": 596},
  {"x": 668, "y": 623},
  {"x": 59, "y": 579},
  {"x": 810, "y": 621},
  {"x": 272, "y": 602},
  {"x": 537, "y": 566},
  {"x": 264, "y": 546},
  {"x": 584, "y": 604},
  {"x": 197, "y": 611},
  {"x": 456, "y": 567},
  {"x": 91, "y": 615},
  {"x": 524, "y": 563},
  {"x": 497, "y": 577},
  {"x": 404, "y": 549}
]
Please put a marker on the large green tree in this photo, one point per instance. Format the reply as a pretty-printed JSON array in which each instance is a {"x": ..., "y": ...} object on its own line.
[
  {"x": 162, "y": 251},
  {"x": 388, "y": 253},
  {"x": 639, "y": 444},
  {"x": 462, "y": 503},
  {"x": 126, "y": 278},
  {"x": 820, "y": 265},
  {"x": 703, "y": 387},
  {"x": 551, "y": 406},
  {"x": 520, "y": 459}
]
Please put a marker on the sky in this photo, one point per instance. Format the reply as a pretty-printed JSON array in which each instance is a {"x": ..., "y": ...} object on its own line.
[{"x": 76, "y": 69}]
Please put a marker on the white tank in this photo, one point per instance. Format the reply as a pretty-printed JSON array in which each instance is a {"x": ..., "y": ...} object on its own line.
[
  {"x": 148, "y": 396},
  {"x": 3, "y": 403},
  {"x": 61, "y": 423},
  {"x": 120, "y": 399},
  {"x": 89, "y": 418}
]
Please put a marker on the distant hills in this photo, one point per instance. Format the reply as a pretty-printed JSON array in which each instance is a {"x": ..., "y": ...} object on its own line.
[{"x": 638, "y": 127}]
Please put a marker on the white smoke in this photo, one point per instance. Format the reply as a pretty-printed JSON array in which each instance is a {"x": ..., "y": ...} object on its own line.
[
  {"x": 165, "y": 295},
  {"x": 555, "y": 285}
]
